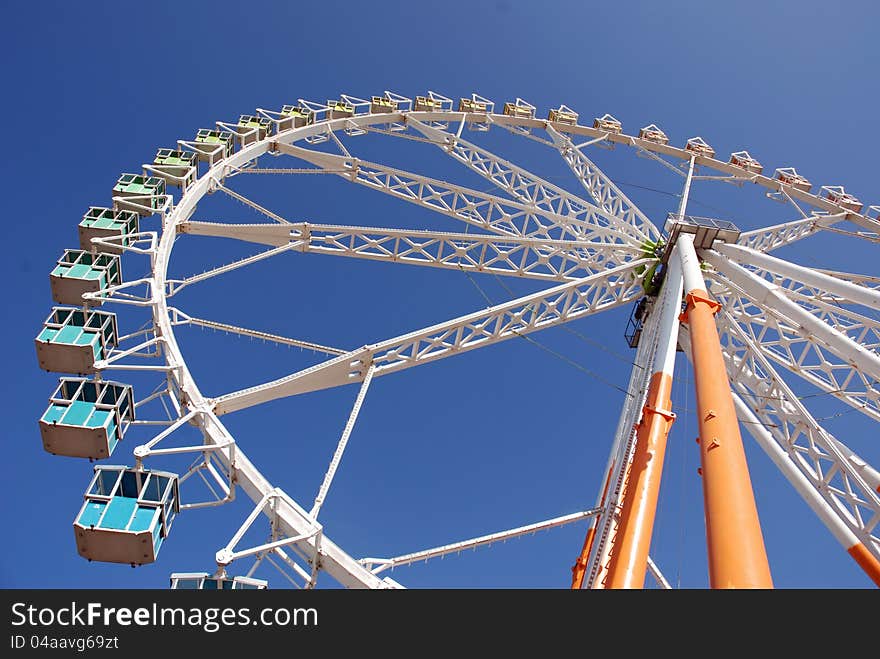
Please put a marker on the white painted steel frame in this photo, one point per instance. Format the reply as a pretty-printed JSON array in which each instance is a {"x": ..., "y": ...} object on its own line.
[
  {"x": 489, "y": 212},
  {"x": 845, "y": 291},
  {"x": 601, "y": 188},
  {"x": 531, "y": 189},
  {"x": 553, "y": 260},
  {"x": 560, "y": 304},
  {"x": 840, "y": 358},
  {"x": 293, "y": 520},
  {"x": 377, "y": 565}
]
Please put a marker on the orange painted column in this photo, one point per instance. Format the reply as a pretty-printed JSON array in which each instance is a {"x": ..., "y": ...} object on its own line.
[
  {"x": 866, "y": 561},
  {"x": 737, "y": 558},
  {"x": 579, "y": 569},
  {"x": 629, "y": 558},
  {"x": 628, "y": 562}
]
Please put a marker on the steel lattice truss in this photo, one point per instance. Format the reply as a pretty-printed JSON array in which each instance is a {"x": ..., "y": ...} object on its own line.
[
  {"x": 519, "y": 317},
  {"x": 486, "y": 211},
  {"x": 789, "y": 344},
  {"x": 522, "y": 257},
  {"x": 593, "y": 252}
]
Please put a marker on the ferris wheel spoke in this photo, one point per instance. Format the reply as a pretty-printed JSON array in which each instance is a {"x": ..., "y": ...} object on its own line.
[
  {"x": 509, "y": 255},
  {"x": 489, "y": 212},
  {"x": 174, "y": 286},
  {"x": 560, "y": 304},
  {"x": 601, "y": 188},
  {"x": 178, "y": 317},
  {"x": 519, "y": 183},
  {"x": 343, "y": 442},
  {"x": 838, "y": 380},
  {"x": 806, "y": 345},
  {"x": 247, "y": 202},
  {"x": 791, "y": 347},
  {"x": 805, "y": 282},
  {"x": 770, "y": 238},
  {"x": 378, "y": 565},
  {"x": 826, "y": 301}
]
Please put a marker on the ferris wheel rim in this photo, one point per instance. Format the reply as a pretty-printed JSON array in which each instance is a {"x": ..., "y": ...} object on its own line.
[{"x": 190, "y": 198}]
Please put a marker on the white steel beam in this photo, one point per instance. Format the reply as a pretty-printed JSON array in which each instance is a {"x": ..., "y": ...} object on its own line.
[
  {"x": 378, "y": 565},
  {"x": 769, "y": 297},
  {"x": 806, "y": 488},
  {"x": 487, "y": 211},
  {"x": 601, "y": 188},
  {"x": 866, "y": 281},
  {"x": 845, "y": 290},
  {"x": 831, "y": 308},
  {"x": 561, "y": 304},
  {"x": 343, "y": 442},
  {"x": 800, "y": 348},
  {"x": 525, "y": 186},
  {"x": 174, "y": 286},
  {"x": 247, "y": 202},
  {"x": 181, "y": 318},
  {"x": 553, "y": 260}
]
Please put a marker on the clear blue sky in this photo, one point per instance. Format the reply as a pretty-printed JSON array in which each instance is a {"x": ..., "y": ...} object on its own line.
[{"x": 473, "y": 444}]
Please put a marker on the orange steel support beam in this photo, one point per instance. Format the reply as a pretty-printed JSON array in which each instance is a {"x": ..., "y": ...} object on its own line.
[
  {"x": 628, "y": 562},
  {"x": 737, "y": 558},
  {"x": 866, "y": 561},
  {"x": 629, "y": 558}
]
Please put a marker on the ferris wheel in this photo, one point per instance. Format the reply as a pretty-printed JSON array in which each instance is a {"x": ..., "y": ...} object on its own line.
[{"x": 742, "y": 316}]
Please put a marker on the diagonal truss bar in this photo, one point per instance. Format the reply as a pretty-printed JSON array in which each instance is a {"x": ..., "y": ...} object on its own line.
[
  {"x": 521, "y": 184},
  {"x": 523, "y": 257},
  {"x": 175, "y": 285},
  {"x": 821, "y": 459},
  {"x": 181, "y": 318},
  {"x": 343, "y": 442},
  {"x": 560, "y": 304},
  {"x": 770, "y": 238},
  {"x": 831, "y": 348},
  {"x": 377, "y": 565},
  {"x": 489, "y": 212},
  {"x": 601, "y": 188},
  {"x": 248, "y": 202}
]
